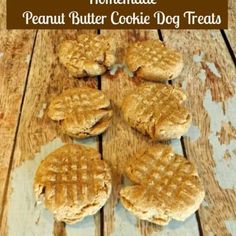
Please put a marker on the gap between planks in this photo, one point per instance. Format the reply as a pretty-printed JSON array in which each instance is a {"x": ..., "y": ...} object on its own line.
[
  {"x": 16, "y": 131},
  {"x": 136, "y": 141},
  {"x": 232, "y": 55},
  {"x": 211, "y": 44},
  {"x": 38, "y": 69},
  {"x": 228, "y": 45},
  {"x": 230, "y": 33},
  {"x": 100, "y": 149},
  {"x": 185, "y": 155},
  {"x": 18, "y": 123}
]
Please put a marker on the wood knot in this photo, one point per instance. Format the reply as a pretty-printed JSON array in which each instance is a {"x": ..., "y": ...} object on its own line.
[{"x": 1, "y": 115}]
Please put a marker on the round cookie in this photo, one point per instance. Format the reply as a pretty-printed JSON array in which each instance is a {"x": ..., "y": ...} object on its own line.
[
  {"x": 153, "y": 61},
  {"x": 73, "y": 182},
  {"x": 166, "y": 187},
  {"x": 82, "y": 112},
  {"x": 89, "y": 55},
  {"x": 156, "y": 110}
]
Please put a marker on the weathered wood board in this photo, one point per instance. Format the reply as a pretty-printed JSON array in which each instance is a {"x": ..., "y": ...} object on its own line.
[
  {"x": 15, "y": 55},
  {"x": 38, "y": 136},
  {"x": 231, "y": 32},
  {"x": 120, "y": 142},
  {"x": 209, "y": 80},
  {"x": 2, "y": 14}
]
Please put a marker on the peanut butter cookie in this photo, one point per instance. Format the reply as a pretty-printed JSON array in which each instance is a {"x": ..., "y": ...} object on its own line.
[
  {"x": 73, "y": 182},
  {"x": 89, "y": 55},
  {"x": 166, "y": 187},
  {"x": 156, "y": 110},
  {"x": 82, "y": 112},
  {"x": 153, "y": 61}
]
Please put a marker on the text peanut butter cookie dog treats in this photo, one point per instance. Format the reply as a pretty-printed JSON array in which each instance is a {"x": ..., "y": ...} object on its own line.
[
  {"x": 151, "y": 60},
  {"x": 166, "y": 187},
  {"x": 156, "y": 110},
  {"x": 89, "y": 55},
  {"x": 82, "y": 112},
  {"x": 73, "y": 182}
]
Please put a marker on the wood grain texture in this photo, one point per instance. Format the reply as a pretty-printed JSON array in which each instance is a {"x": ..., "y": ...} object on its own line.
[
  {"x": 38, "y": 134},
  {"x": 120, "y": 142},
  {"x": 231, "y": 32},
  {"x": 15, "y": 53},
  {"x": 209, "y": 81},
  {"x": 209, "y": 78},
  {"x": 2, "y": 14}
]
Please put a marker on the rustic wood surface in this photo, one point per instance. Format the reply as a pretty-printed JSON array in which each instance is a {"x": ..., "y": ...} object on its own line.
[
  {"x": 120, "y": 142},
  {"x": 30, "y": 75},
  {"x": 15, "y": 54},
  {"x": 37, "y": 134},
  {"x": 209, "y": 78},
  {"x": 231, "y": 32},
  {"x": 2, "y": 14}
]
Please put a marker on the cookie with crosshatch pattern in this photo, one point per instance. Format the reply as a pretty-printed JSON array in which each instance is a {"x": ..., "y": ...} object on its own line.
[
  {"x": 89, "y": 55},
  {"x": 73, "y": 182},
  {"x": 166, "y": 187},
  {"x": 82, "y": 112},
  {"x": 156, "y": 110},
  {"x": 151, "y": 60}
]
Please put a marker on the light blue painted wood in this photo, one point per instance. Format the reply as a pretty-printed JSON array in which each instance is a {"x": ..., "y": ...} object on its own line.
[
  {"x": 126, "y": 223},
  {"x": 86, "y": 227},
  {"x": 225, "y": 168},
  {"x": 187, "y": 228},
  {"x": 25, "y": 217}
]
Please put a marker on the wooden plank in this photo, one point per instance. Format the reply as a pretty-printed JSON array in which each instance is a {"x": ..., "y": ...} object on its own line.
[
  {"x": 209, "y": 78},
  {"x": 37, "y": 136},
  {"x": 15, "y": 53},
  {"x": 231, "y": 32},
  {"x": 2, "y": 14},
  {"x": 120, "y": 142}
]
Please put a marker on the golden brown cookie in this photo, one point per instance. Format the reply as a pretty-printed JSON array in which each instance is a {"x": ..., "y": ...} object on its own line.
[
  {"x": 156, "y": 110},
  {"x": 82, "y": 112},
  {"x": 166, "y": 187},
  {"x": 73, "y": 182},
  {"x": 153, "y": 61},
  {"x": 89, "y": 55}
]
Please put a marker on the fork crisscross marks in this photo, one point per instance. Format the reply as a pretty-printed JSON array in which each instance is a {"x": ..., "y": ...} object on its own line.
[
  {"x": 151, "y": 60},
  {"x": 166, "y": 179},
  {"x": 161, "y": 169},
  {"x": 165, "y": 105},
  {"x": 154, "y": 54},
  {"x": 157, "y": 110},
  {"x": 149, "y": 100},
  {"x": 75, "y": 182},
  {"x": 89, "y": 55},
  {"x": 145, "y": 167},
  {"x": 83, "y": 99},
  {"x": 162, "y": 103},
  {"x": 82, "y": 112},
  {"x": 174, "y": 177},
  {"x": 89, "y": 46},
  {"x": 68, "y": 172}
]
